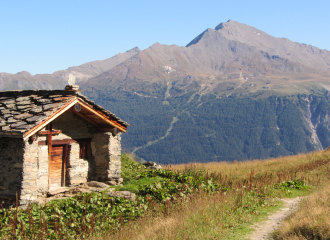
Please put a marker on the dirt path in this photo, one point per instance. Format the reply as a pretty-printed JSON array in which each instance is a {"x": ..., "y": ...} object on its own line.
[{"x": 264, "y": 229}]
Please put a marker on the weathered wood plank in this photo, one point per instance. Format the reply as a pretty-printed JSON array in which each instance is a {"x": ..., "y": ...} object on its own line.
[
  {"x": 55, "y": 166},
  {"x": 65, "y": 156},
  {"x": 47, "y": 132},
  {"x": 59, "y": 142}
]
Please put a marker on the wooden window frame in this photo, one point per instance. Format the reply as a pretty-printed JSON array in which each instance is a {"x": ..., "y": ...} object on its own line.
[{"x": 85, "y": 148}]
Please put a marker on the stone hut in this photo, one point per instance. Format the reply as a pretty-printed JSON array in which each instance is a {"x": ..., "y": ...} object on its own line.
[{"x": 50, "y": 139}]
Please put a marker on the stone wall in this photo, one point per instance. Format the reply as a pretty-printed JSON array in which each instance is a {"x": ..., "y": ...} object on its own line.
[
  {"x": 115, "y": 162},
  {"x": 23, "y": 169},
  {"x": 30, "y": 172},
  {"x": 42, "y": 179},
  {"x": 77, "y": 169},
  {"x": 106, "y": 149},
  {"x": 11, "y": 167},
  {"x": 101, "y": 156}
]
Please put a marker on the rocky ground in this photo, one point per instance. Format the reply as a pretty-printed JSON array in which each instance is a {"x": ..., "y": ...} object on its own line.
[{"x": 93, "y": 186}]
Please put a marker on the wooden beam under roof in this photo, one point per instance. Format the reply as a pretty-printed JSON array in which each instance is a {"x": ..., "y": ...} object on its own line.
[
  {"x": 100, "y": 115},
  {"x": 85, "y": 117}
]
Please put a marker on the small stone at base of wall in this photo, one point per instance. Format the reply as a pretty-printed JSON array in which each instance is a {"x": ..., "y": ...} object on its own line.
[
  {"x": 115, "y": 181},
  {"x": 96, "y": 184},
  {"x": 124, "y": 194},
  {"x": 88, "y": 187},
  {"x": 152, "y": 165},
  {"x": 56, "y": 191}
]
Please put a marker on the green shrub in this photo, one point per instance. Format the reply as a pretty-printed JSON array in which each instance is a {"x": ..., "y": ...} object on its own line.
[
  {"x": 296, "y": 184},
  {"x": 130, "y": 168}
]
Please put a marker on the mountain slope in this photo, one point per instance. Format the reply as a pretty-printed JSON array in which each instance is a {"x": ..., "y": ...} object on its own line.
[
  {"x": 229, "y": 94},
  {"x": 57, "y": 80}
]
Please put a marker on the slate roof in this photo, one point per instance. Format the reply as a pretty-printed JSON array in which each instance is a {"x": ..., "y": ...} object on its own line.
[{"x": 23, "y": 110}]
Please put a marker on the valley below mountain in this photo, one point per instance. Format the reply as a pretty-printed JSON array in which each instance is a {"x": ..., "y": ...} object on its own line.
[{"x": 232, "y": 93}]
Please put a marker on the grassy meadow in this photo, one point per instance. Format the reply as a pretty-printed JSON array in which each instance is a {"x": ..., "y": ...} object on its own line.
[
  {"x": 188, "y": 201},
  {"x": 249, "y": 192}
]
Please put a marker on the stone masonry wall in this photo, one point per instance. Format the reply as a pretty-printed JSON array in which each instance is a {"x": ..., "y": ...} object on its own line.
[
  {"x": 114, "y": 148},
  {"x": 42, "y": 179},
  {"x": 11, "y": 167},
  {"x": 107, "y": 149},
  {"x": 23, "y": 169},
  {"x": 101, "y": 156},
  {"x": 77, "y": 169},
  {"x": 30, "y": 173}
]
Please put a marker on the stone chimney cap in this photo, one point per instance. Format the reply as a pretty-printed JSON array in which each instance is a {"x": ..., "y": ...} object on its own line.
[
  {"x": 71, "y": 87},
  {"x": 71, "y": 80}
]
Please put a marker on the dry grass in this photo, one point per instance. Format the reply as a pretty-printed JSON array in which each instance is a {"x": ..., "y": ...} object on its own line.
[
  {"x": 308, "y": 167},
  {"x": 311, "y": 221},
  {"x": 258, "y": 166},
  {"x": 203, "y": 216}
]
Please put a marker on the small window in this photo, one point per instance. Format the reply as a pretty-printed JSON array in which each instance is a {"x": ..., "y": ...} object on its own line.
[{"x": 85, "y": 149}]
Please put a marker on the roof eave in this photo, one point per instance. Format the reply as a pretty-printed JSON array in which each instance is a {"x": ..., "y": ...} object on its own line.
[{"x": 11, "y": 134}]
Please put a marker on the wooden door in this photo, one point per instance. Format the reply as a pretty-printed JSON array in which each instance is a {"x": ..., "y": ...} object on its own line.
[{"x": 57, "y": 166}]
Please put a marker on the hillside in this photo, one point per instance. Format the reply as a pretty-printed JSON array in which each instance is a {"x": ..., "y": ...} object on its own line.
[{"x": 232, "y": 93}]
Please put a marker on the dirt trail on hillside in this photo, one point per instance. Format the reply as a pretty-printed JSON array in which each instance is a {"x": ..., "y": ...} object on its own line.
[{"x": 264, "y": 229}]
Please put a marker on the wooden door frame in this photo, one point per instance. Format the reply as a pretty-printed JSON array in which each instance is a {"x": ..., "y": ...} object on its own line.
[{"x": 64, "y": 163}]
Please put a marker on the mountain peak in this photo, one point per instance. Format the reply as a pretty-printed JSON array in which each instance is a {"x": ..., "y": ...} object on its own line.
[
  {"x": 135, "y": 49},
  {"x": 225, "y": 24},
  {"x": 24, "y": 74},
  {"x": 199, "y": 37},
  {"x": 220, "y": 26}
]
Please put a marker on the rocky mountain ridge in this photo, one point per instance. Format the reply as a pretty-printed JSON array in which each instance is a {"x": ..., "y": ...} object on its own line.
[
  {"x": 233, "y": 58},
  {"x": 57, "y": 80}
]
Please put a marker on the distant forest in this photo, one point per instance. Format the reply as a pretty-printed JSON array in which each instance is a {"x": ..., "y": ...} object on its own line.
[{"x": 218, "y": 129}]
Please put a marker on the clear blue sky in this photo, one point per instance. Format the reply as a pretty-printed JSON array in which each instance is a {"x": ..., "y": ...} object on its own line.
[{"x": 47, "y": 35}]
